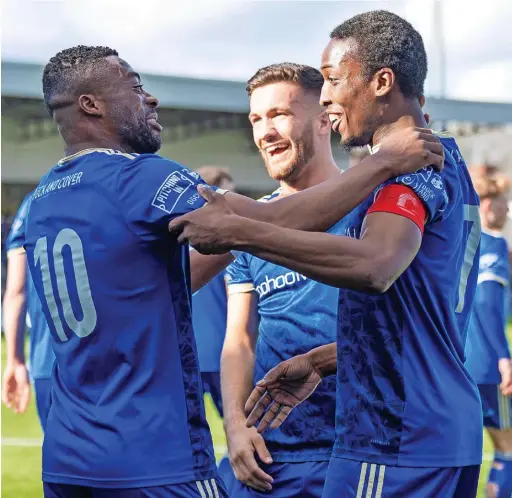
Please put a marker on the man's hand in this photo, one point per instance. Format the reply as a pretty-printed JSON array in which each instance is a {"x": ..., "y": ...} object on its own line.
[
  {"x": 16, "y": 387},
  {"x": 280, "y": 391},
  {"x": 409, "y": 148},
  {"x": 505, "y": 368},
  {"x": 210, "y": 229},
  {"x": 243, "y": 443}
]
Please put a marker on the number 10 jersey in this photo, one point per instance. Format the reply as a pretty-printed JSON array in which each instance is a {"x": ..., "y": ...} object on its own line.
[{"x": 127, "y": 408}]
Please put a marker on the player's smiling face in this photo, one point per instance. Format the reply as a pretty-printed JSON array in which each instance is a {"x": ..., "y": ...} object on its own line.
[
  {"x": 347, "y": 95},
  {"x": 282, "y": 116},
  {"x": 131, "y": 110}
]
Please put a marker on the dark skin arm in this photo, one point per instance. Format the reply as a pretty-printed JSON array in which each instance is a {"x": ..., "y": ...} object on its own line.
[
  {"x": 386, "y": 247},
  {"x": 357, "y": 182},
  {"x": 330, "y": 206},
  {"x": 405, "y": 150},
  {"x": 287, "y": 385}
]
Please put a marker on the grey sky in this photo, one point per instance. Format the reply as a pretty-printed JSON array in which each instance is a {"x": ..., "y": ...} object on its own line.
[{"x": 231, "y": 39}]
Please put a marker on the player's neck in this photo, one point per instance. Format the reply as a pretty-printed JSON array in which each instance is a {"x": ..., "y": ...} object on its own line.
[
  {"x": 408, "y": 107},
  {"x": 100, "y": 143},
  {"x": 315, "y": 172},
  {"x": 490, "y": 229}
]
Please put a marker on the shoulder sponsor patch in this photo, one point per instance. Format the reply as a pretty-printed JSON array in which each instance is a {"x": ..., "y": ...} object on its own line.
[{"x": 174, "y": 187}]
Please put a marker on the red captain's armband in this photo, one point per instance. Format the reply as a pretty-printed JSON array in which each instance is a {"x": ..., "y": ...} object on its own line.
[{"x": 401, "y": 200}]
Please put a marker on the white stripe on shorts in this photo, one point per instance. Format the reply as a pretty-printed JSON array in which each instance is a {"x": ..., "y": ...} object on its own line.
[
  {"x": 200, "y": 488},
  {"x": 208, "y": 493},
  {"x": 214, "y": 486},
  {"x": 503, "y": 410},
  {"x": 362, "y": 477},
  {"x": 380, "y": 482},
  {"x": 371, "y": 481},
  {"x": 506, "y": 404},
  {"x": 209, "y": 489}
]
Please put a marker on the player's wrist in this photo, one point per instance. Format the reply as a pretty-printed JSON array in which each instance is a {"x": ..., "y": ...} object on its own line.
[
  {"x": 241, "y": 233},
  {"x": 14, "y": 364},
  {"x": 234, "y": 420},
  {"x": 504, "y": 363},
  {"x": 323, "y": 359},
  {"x": 380, "y": 165}
]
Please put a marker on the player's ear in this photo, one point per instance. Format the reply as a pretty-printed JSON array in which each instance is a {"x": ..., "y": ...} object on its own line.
[
  {"x": 383, "y": 81},
  {"x": 323, "y": 123},
  {"x": 90, "y": 105}
]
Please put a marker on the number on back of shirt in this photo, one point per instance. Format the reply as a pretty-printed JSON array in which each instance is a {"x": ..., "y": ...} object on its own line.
[
  {"x": 66, "y": 237},
  {"x": 472, "y": 215}
]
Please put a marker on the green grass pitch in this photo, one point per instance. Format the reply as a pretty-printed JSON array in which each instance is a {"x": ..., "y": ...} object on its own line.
[{"x": 21, "y": 455}]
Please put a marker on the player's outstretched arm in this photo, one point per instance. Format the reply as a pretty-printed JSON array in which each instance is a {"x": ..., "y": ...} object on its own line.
[
  {"x": 387, "y": 245},
  {"x": 16, "y": 385},
  {"x": 405, "y": 150},
  {"x": 287, "y": 385},
  {"x": 237, "y": 370}
]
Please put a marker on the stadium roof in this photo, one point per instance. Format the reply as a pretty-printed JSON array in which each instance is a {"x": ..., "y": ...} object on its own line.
[{"x": 23, "y": 80}]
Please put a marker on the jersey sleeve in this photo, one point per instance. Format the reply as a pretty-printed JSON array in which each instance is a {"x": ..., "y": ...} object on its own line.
[
  {"x": 16, "y": 238},
  {"x": 239, "y": 277},
  {"x": 494, "y": 265},
  {"x": 153, "y": 190},
  {"x": 428, "y": 186}
]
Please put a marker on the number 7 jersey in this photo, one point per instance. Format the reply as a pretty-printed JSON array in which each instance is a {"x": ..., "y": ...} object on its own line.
[
  {"x": 127, "y": 408},
  {"x": 404, "y": 395}
]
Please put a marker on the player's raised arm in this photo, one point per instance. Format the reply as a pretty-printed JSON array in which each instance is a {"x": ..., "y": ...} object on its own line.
[
  {"x": 406, "y": 150},
  {"x": 389, "y": 239}
]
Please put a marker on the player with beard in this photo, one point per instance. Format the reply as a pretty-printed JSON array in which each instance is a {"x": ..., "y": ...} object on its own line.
[
  {"x": 273, "y": 313},
  {"x": 408, "y": 414},
  {"x": 127, "y": 417}
]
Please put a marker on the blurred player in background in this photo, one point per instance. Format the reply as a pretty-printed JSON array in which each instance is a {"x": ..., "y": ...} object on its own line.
[
  {"x": 488, "y": 353},
  {"x": 21, "y": 305},
  {"x": 209, "y": 307},
  {"x": 274, "y": 313},
  {"x": 127, "y": 415},
  {"x": 408, "y": 415}
]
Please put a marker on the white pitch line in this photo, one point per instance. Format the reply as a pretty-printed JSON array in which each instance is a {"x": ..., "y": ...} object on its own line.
[{"x": 19, "y": 441}]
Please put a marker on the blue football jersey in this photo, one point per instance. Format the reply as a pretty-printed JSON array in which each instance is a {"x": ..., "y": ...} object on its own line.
[
  {"x": 404, "y": 396},
  {"x": 487, "y": 341},
  {"x": 209, "y": 314},
  {"x": 296, "y": 314},
  {"x": 127, "y": 406},
  {"x": 41, "y": 357}
]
